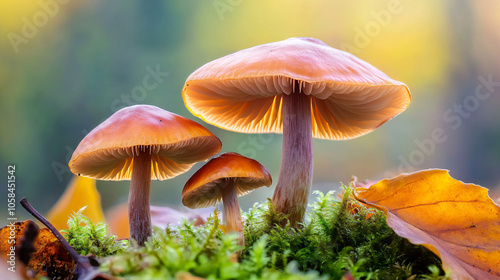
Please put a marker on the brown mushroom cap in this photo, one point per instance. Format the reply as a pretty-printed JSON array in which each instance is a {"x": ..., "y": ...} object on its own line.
[
  {"x": 176, "y": 144},
  {"x": 243, "y": 91},
  {"x": 203, "y": 188}
]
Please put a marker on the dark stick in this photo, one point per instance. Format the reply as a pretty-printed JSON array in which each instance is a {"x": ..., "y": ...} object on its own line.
[{"x": 82, "y": 261}]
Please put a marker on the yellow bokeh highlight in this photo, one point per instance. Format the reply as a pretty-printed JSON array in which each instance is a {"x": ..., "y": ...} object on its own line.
[
  {"x": 13, "y": 12},
  {"x": 402, "y": 38}
]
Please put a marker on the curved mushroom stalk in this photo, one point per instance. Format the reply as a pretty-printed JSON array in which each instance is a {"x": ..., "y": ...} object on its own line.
[
  {"x": 139, "y": 209},
  {"x": 295, "y": 179},
  {"x": 232, "y": 212}
]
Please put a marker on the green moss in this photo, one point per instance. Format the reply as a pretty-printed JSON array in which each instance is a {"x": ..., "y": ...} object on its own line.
[
  {"x": 337, "y": 238},
  {"x": 89, "y": 238}
]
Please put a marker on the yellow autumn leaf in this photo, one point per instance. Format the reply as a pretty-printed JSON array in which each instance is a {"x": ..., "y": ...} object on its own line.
[
  {"x": 80, "y": 192},
  {"x": 457, "y": 221}
]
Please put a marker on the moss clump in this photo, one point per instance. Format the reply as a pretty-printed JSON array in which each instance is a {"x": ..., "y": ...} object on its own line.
[
  {"x": 89, "y": 238},
  {"x": 200, "y": 251},
  {"x": 337, "y": 238}
]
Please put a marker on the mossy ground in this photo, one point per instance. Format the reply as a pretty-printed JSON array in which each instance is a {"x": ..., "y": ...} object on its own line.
[{"x": 340, "y": 236}]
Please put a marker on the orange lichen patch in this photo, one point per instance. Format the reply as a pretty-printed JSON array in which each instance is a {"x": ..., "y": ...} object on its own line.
[
  {"x": 457, "y": 221},
  {"x": 10, "y": 235},
  {"x": 80, "y": 192},
  {"x": 243, "y": 91},
  {"x": 175, "y": 144},
  {"x": 49, "y": 258}
]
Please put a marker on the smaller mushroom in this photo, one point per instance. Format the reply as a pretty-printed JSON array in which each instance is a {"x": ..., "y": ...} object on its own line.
[{"x": 226, "y": 177}]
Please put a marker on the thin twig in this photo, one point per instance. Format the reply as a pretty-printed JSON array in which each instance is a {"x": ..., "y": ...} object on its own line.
[{"x": 84, "y": 262}]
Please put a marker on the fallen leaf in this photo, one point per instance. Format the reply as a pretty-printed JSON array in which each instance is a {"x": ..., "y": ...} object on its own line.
[
  {"x": 54, "y": 262},
  {"x": 11, "y": 262},
  {"x": 458, "y": 222},
  {"x": 26, "y": 246},
  {"x": 80, "y": 192},
  {"x": 50, "y": 257},
  {"x": 10, "y": 235}
]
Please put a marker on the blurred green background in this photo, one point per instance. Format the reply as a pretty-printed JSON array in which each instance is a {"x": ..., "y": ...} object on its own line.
[{"x": 68, "y": 65}]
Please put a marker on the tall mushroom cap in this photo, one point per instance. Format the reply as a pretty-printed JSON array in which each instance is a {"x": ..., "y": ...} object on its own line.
[
  {"x": 176, "y": 144},
  {"x": 243, "y": 91},
  {"x": 203, "y": 189}
]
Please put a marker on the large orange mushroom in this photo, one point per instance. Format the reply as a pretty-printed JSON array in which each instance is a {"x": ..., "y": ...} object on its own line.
[
  {"x": 140, "y": 143},
  {"x": 302, "y": 88},
  {"x": 225, "y": 178}
]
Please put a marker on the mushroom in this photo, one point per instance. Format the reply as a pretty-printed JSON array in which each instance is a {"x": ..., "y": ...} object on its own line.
[
  {"x": 226, "y": 177},
  {"x": 140, "y": 143},
  {"x": 302, "y": 88}
]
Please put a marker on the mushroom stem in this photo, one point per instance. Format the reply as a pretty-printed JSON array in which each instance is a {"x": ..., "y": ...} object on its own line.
[
  {"x": 139, "y": 210},
  {"x": 232, "y": 213},
  {"x": 295, "y": 179}
]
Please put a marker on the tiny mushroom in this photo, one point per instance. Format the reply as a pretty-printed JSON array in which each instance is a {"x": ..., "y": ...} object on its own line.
[
  {"x": 140, "y": 143},
  {"x": 225, "y": 177},
  {"x": 302, "y": 88}
]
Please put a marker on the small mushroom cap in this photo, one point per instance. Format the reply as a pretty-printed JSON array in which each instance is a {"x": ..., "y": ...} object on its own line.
[
  {"x": 203, "y": 189},
  {"x": 243, "y": 91},
  {"x": 176, "y": 144}
]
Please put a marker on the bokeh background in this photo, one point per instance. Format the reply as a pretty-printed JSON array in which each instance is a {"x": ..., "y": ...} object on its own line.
[{"x": 67, "y": 65}]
